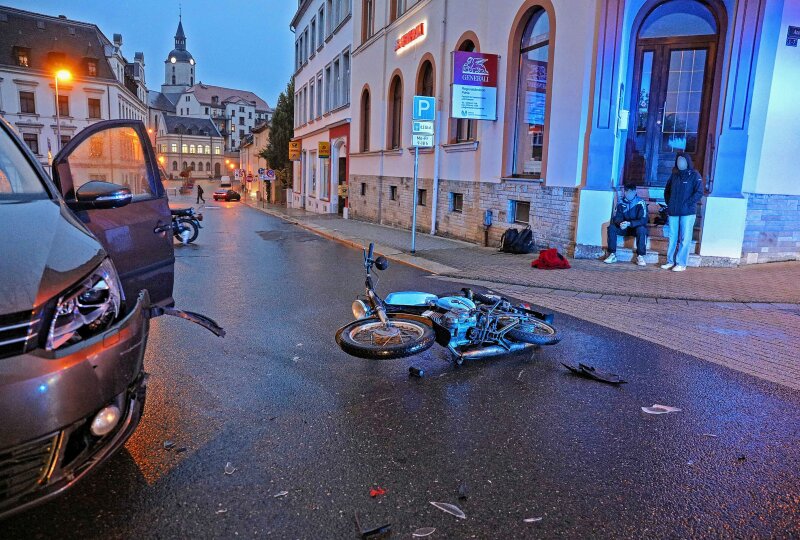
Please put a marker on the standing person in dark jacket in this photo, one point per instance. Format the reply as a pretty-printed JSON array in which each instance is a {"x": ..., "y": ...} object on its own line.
[
  {"x": 630, "y": 219},
  {"x": 683, "y": 192},
  {"x": 200, "y": 194}
]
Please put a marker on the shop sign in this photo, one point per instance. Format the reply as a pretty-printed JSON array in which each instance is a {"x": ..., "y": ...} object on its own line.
[
  {"x": 294, "y": 150},
  {"x": 410, "y": 37},
  {"x": 792, "y": 35},
  {"x": 324, "y": 149},
  {"x": 342, "y": 190},
  {"x": 474, "y": 86}
]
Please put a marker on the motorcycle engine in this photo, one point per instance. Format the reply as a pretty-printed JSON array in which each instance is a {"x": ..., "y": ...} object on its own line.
[{"x": 459, "y": 322}]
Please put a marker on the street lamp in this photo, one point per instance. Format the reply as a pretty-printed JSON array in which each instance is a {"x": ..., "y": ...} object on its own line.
[{"x": 66, "y": 76}]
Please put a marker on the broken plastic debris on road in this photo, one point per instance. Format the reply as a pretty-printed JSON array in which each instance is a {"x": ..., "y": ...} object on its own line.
[
  {"x": 660, "y": 409},
  {"x": 450, "y": 509}
]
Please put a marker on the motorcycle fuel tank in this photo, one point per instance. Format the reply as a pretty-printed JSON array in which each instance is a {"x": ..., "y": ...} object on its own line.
[
  {"x": 410, "y": 298},
  {"x": 457, "y": 303}
]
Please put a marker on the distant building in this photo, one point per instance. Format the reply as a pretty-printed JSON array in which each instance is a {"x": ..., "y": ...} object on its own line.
[
  {"x": 234, "y": 112},
  {"x": 104, "y": 84},
  {"x": 189, "y": 143}
]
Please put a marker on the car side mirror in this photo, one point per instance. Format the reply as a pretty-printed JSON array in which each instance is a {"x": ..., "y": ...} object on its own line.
[
  {"x": 381, "y": 263},
  {"x": 100, "y": 195}
]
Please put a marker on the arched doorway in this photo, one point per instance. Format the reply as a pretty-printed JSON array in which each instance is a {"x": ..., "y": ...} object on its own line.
[
  {"x": 672, "y": 89},
  {"x": 217, "y": 172}
]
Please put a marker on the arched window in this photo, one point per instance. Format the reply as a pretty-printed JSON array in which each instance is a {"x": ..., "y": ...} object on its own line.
[
  {"x": 192, "y": 149},
  {"x": 173, "y": 79},
  {"x": 208, "y": 166},
  {"x": 395, "y": 113},
  {"x": 193, "y": 167},
  {"x": 185, "y": 166},
  {"x": 200, "y": 166},
  {"x": 534, "y": 70},
  {"x": 216, "y": 169},
  {"x": 174, "y": 165},
  {"x": 365, "y": 120},
  {"x": 425, "y": 80},
  {"x": 464, "y": 130}
]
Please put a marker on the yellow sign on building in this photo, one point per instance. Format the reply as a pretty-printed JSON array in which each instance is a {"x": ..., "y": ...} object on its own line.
[
  {"x": 324, "y": 149},
  {"x": 294, "y": 150}
]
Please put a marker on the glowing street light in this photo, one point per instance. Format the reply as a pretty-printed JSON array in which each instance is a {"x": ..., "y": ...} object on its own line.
[{"x": 65, "y": 76}]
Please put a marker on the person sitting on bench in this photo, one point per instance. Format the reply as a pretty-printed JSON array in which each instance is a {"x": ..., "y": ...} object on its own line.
[{"x": 630, "y": 219}]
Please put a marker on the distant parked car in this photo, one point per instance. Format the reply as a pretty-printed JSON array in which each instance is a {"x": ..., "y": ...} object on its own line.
[{"x": 226, "y": 195}]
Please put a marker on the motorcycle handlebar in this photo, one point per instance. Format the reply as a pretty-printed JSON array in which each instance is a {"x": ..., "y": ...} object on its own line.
[{"x": 370, "y": 251}]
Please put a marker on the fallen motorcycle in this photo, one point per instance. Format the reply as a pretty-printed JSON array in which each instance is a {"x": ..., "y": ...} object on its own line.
[
  {"x": 186, "y": 224},
  {"x": 470, "y": 325}
]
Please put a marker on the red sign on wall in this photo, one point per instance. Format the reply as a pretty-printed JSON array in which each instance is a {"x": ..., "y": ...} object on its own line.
[{"x": 410, "y": 37}]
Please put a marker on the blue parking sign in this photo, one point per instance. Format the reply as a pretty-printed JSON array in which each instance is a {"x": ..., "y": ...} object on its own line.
[{"x": 424, "y": 108}]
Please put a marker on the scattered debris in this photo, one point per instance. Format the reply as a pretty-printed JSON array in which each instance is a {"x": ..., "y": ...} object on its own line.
[
  {"x": 710, "y": 435},
  {"x": 450, "y": 509},
  {"x": 296, "y": 359},
  {"x": 519, "y": 377},
  {"x": 660, "y": 409},
  {"x": 463, "y": 492},
  {"x": 533, "y": 520},
  {"x": 169, "y": 445},
  {"x": 377, "y": 492},
  {"x": 273, "y": 418},
  {"x": 585, "y": 370},
  {"x": 229, "y": 469},
  {"x": 222, "y": 511},
  {"x": 299, "y": 344},
  {"x": 741, "y": 458},
  {"x": 280, "y": 494},
  {"x": 382, "y": 531},
  {"x": 416, "y": 372},
  {"x": 425, "y": 531},
  {"x": 181, "y": 450},
  {"x": 690, "y": 462}
]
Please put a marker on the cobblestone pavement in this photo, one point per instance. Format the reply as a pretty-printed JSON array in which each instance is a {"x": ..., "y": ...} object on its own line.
[{"x": 747, "y": 318}]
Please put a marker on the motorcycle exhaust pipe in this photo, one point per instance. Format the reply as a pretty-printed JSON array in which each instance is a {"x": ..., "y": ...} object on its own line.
[{"x": 494, "y": 350}]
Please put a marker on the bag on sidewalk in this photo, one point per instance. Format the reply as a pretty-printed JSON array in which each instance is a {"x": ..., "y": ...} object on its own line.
[
  {"x": 523, "y": 243},
  {"x": 551, "y": 259},
  {"x": 508, "y": 239}
]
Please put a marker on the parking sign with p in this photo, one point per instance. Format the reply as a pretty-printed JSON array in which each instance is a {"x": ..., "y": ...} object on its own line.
[{"x": 424, "y": 108}]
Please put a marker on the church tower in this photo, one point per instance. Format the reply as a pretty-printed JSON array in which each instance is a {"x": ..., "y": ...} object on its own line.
[{"x": 179, "y": 65}]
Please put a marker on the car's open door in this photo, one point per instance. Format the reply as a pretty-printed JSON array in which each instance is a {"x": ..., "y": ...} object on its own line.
[{"x": 136, "y": 235}]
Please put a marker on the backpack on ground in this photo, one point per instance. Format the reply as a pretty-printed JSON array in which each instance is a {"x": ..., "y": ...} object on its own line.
[
  {"x": 523, "y": 243},
  {"x": 508, "y": 239}
]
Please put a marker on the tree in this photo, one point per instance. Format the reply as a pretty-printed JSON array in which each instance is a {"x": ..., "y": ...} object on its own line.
[{"x": 281, "y": 131}]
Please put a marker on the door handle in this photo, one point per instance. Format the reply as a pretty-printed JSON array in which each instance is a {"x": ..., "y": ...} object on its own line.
[{"x": 162, "y": 228}]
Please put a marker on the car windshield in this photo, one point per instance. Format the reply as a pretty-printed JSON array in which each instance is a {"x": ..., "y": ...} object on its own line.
[{"x": 18, "y": 178}]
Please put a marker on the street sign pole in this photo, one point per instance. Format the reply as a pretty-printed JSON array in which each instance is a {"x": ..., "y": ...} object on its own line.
[{"x": 414, "y": 207}]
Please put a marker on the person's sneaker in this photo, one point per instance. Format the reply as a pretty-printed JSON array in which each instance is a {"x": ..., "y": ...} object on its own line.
[
  {"x": 612, "y": 258},
  {"x": 679, "y": 268},
  {"x": 667, "y": 266},
  {"x": 640, "y": 260}
]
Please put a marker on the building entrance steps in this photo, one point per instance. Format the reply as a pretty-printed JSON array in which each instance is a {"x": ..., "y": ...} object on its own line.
[{"x": 749, "y": 285}]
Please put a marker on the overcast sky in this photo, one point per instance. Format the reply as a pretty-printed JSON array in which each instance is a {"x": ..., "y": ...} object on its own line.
[{"x": 243, "y": 44}]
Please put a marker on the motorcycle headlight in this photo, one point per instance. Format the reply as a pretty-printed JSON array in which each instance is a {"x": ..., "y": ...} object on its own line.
[
  {"x": 360, "y": 309},
  {"x": 87, "y": 309}
]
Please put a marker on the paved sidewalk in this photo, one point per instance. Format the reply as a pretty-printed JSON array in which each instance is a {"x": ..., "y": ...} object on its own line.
[{"x": 776, "y": 283}]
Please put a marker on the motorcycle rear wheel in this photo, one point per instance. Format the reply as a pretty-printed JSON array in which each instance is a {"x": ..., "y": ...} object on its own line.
[
  {"x": 373, "y": 340},
  {"x": 186, "y": 223},
  {"x": 531, "y": 330}
]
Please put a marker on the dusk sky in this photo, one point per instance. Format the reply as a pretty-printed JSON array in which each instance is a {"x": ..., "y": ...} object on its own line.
[{"x": 244, "y": 44}]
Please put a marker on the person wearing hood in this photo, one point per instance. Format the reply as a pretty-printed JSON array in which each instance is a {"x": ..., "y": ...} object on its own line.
[
  {"x": 629, "y": 219},
  {"x": 683, "y": 192}
]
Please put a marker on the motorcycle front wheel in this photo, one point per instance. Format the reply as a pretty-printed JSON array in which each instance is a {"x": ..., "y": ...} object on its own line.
[
  {"x": 373, "y": 340},
  {"x": 530, "y": 330},
  {"x": 183, "y": 224}
]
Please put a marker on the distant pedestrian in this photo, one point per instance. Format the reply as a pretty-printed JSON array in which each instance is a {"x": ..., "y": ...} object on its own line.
[
  {"x": 682, "y": 193},
  {"x": 200, "y": 194},
  {"x": 629, "y": 219}
]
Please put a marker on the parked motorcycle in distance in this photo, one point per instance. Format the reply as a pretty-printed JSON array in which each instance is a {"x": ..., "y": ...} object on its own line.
[
  {"x": 471, "y": 325},
  {"x": 186, "y": 224}
]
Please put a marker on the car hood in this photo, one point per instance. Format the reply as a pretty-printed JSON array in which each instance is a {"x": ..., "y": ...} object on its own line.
[{"x": 45, "y": 251}]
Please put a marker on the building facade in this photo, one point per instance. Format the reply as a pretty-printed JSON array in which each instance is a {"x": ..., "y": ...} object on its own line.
[
  {"x": 103, "y": 83},
  {"x": 324, "y": 34},
  {"x": 589, "y": 94},
  {"x": 195, "y": 144}
]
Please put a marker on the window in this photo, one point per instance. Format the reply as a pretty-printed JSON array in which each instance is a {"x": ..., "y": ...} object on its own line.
[
  {"x": 207, "y": 149},
  {"x": 184, "y": 150},
  {"x": 241, "y": 109},
  {"x": 63, "y": 105},
  {"x": 395, "y": 113},
  {"x": 94, "y": 108},
  {"x": 324, "y": 184},
  {"x": 456, "y": 202},
  {"x": 185, "y": 166},
  {"x": 217, "y": 150},
  {"x": 296, "y": 55},
  {"x": 321, "y": 36},
  {"x": 241, "y": 133},
  {"x": 464, "y": 130},
  {"x": 22, "y": 56},
  {"x": 163, "y": 148},
  {"x": 313, "y": 36},
  {"x": 91, "y": 68},
  {"x": 173, "y": 147},
  {"x": 312, "y": 188},
  {"x": 27, "y": 103},
  {"x": 331, "y": 23},
  {"x": 32, "y": 140},
  {"x": 363, "y": 189},
  {"x": 520, "y": 211},
  {"x": 398, "y": 8},
  {"x": 425, "y": 80},
  {"x": 192, "y": 149},
  {"x": 327, "y": 88},
  {"x": 319, "y": 94},
  {"x": 305, "y": 45},
  {"x": 346, "y": 78},
  {"x": 365, "y": 121},
  {"x": 241, "y": 120},
  {"x": 368, "y": 23},
  {"x": 174, "y": 165},
  {"x": 532, "y": 96},
  {"x": 311, "y": 99},
  {"x": 193, "y": 166},
  {"x": 186, "y": 99},
  {"x": 337, "y": 84},
  {"x": 392, "y": 193},
  {"x": 422, "y": 197}
]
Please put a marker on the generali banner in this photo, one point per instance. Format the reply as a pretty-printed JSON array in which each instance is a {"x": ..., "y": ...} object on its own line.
[{"x": 474, "y": 86}]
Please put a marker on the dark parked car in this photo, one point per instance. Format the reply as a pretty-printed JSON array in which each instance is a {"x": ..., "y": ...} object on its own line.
[
  {"x": 87, "y": 260},
  {"x": 226, "y": 195}
]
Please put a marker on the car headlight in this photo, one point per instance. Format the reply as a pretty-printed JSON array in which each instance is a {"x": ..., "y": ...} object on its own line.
[{"x": 87, "y": 309}]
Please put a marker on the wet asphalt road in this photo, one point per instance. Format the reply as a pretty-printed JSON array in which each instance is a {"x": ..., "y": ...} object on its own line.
[{"x": 279, "y": 401}]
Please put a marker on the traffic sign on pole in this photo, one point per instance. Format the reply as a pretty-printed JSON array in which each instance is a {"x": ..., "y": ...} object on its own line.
[{"x": 424, "y": 108}]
